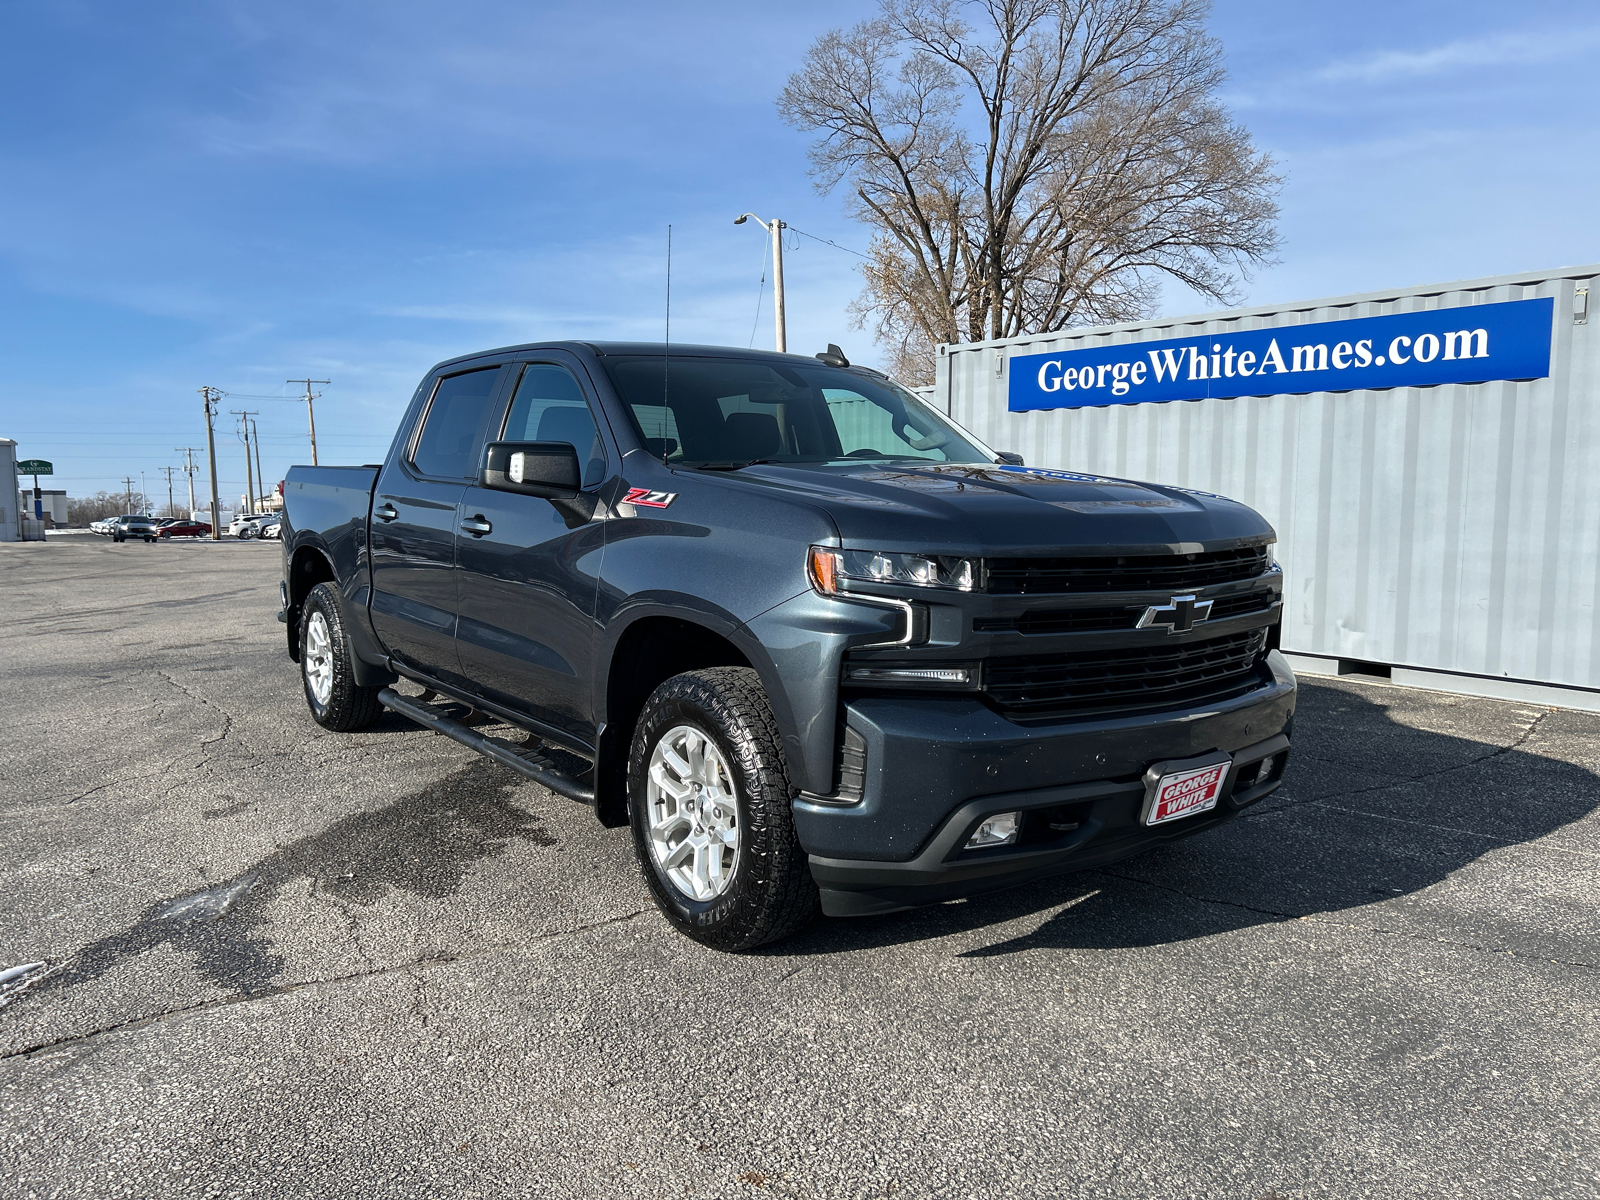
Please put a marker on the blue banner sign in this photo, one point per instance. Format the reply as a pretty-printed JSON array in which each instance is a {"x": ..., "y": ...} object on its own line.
[{"x": 1473, "y": 344}]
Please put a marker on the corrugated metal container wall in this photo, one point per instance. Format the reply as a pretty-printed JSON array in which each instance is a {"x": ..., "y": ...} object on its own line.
[{"x": 1453, "y": 528}]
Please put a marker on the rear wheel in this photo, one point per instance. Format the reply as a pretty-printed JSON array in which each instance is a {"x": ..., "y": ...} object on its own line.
[
  {"x": 327, "y": 667},
  {"x": 708, "y": 797}
]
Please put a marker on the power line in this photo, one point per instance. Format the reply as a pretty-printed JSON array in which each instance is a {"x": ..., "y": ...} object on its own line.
[
  {"x": 760, "y": 292},
  {"x": 827, "y": 242}
]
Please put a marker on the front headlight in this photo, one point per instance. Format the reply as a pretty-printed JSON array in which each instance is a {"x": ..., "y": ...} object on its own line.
[{"x": 829, "y": 569}]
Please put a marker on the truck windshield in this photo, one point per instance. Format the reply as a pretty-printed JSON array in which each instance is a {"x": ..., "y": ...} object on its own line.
[{"x": 728, "y": 411}]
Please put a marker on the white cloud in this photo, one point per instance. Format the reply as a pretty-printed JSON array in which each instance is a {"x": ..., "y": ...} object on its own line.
[{"x": 1497, "y": 50}]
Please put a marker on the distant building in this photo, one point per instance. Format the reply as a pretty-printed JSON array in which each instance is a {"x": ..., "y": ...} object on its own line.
[
  {"x": 53, "y": 501},
  {"x": 9, "y": 531}
]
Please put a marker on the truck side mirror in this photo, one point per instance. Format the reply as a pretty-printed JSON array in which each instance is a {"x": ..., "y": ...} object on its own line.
[
  {"x": 548, "y": 469},
  {"x": 1009, "y": 459}
]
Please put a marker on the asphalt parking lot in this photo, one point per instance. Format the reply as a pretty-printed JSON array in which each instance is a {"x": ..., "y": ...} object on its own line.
[{"x": 282, "y": 962}]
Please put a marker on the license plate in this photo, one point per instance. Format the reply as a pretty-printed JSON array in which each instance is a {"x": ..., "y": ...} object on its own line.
[{"x": 1184, "y": 793}]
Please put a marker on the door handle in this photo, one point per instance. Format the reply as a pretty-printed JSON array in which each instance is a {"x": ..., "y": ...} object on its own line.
[
  {"x": 385, "y": 512},
  {"x": 476, "y": 526}
]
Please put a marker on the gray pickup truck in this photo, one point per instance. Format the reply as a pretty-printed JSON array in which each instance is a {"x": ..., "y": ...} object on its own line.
[{"x": 816, "y": 644}]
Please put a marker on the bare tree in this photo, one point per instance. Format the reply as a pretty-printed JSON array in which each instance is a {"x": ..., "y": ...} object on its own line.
[
  {"x": 1032, "y": 164},
  {"x": 103, "y": 504}
]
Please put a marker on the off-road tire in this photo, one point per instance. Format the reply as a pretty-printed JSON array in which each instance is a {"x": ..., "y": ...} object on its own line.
[
  {"x": 349, "y": 706},
  {"x": 772, "y": 894}
]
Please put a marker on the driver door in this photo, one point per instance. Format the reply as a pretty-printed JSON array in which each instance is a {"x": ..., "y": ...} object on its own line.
[{"x": 528, "y": 568}]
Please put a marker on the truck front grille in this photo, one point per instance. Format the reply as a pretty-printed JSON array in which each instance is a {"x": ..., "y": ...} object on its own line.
[
  {"x": 1096, "y": 620},
  {"x": 1043, "y": 687},
  {"x": 1122, "y": 573}
]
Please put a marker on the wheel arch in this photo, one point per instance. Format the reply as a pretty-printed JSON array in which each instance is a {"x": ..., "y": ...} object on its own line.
[
  {"x": 308, "y": 565},
  {"x": 650, "y": 646}
]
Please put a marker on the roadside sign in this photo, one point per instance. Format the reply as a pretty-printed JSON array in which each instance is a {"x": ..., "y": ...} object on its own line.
[{"x": 35, "y": 466}]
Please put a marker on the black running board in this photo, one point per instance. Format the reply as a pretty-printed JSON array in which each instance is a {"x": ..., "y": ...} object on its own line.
[{"x": 521, "y": 759}]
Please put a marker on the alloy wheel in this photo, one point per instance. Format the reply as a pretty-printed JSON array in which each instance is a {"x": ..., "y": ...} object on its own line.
[
  {"x": 693, "y": 813},
  {"x": 318, "y": 658}
]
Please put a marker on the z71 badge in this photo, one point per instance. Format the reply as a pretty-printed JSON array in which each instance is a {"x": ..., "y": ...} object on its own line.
[{"x": 648, "y": 498}]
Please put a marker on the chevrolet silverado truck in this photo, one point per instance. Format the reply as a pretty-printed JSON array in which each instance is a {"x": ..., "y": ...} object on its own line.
[{"x": 814, "y": 642}]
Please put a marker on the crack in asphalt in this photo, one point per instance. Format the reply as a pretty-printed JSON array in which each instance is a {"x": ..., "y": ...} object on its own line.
[
  {"x": 227, "y": 717},
  {"x": 444, "y": 958}
]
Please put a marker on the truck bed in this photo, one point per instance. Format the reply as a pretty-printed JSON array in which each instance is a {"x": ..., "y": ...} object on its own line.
[{"x": 329, "y": 507}]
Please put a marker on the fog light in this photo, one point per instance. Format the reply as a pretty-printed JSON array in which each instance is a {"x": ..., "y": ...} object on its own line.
[
  {"x": 1265, "y": 773},
  {"x": 998, "y": 830}
]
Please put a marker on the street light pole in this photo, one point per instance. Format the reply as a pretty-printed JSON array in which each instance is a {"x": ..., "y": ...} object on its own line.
[{"x": 774, "y": 230}]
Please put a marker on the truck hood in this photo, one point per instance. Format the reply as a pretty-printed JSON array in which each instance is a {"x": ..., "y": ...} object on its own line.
[{"x": 1009, "y": 511}]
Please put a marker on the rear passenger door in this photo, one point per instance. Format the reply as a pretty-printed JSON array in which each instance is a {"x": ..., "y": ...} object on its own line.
[
  {"x": 415, "y": 513},
  {"x": 529, "y": 568}
]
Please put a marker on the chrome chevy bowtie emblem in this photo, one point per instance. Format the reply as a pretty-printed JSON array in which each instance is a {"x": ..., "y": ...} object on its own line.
[{"x": 1180, "y": 616}]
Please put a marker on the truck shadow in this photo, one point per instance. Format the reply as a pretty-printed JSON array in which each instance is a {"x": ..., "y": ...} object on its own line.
[{"x": 1370, "y": 810}]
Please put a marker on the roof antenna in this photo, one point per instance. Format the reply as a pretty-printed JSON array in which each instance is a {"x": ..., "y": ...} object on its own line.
[
  {"x": 834, "y": 356},
  {"x": 666, "y": 346}
]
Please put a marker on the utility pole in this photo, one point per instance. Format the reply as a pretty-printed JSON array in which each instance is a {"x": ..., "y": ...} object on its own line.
[
  {"x": 249, "y": 479},
  {"x": 261, "y": 480},
  {"x": 127, "y": 489},
  {"x": 169, "y": 471},
  {"x": 774, "y": 230},
  {"x": 211, "y": 395},
  {"x": 188, "y": 469},
  {"x": 310, "y": 413}
]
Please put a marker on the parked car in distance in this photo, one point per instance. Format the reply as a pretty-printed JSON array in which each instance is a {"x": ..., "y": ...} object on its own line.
[
  {"x": 271, "y": 528},
  {"x": 134, "y": 525},
  {"x": 247, "y": 525},
  {"x": 181, "y": 528}
]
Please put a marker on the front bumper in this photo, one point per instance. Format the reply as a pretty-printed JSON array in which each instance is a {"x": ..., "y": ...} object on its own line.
[{"x": 935, "y": 767}]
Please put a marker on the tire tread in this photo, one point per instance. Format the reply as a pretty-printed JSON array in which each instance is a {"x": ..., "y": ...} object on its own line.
[
  {"x": 779, "y": 897},
  {"x": 350, "y": 705}
]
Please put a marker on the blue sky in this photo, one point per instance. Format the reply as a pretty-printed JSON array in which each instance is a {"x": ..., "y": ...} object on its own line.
[{"x": 205, "y": 192}]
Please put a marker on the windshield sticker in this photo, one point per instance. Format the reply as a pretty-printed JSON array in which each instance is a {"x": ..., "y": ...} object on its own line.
[{"x": 648, "y": 498}]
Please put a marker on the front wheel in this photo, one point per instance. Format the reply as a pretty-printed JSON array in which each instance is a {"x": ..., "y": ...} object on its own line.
[
  {"x": 708, "y": 798},
  {"x": 327, "y": 667}
]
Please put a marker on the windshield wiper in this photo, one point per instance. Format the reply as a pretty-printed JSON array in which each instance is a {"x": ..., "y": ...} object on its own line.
[{"x": 734, "y": 466}]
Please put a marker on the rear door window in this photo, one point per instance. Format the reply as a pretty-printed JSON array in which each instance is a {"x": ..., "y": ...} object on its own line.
[{"x": 447, "y": 445}]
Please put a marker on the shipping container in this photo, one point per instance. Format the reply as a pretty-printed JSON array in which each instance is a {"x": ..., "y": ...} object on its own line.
[{"x": 1446, "y": 533}]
